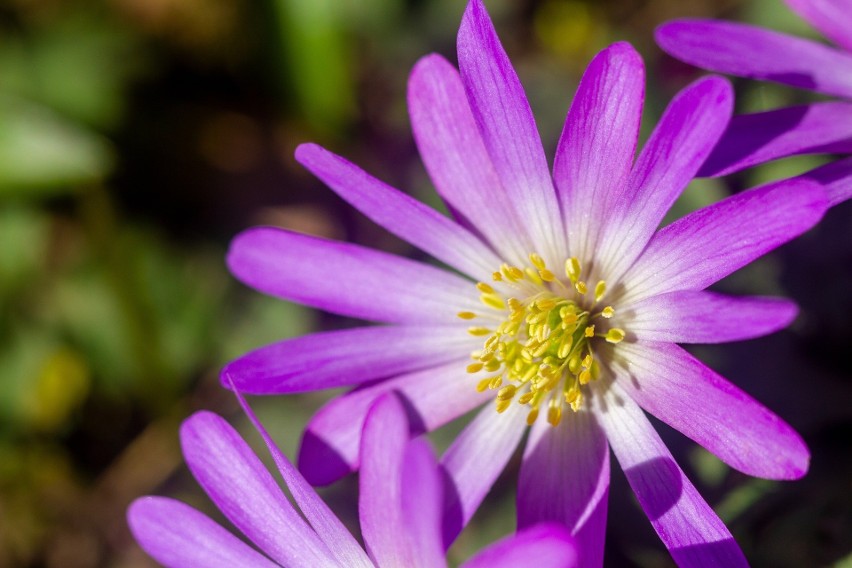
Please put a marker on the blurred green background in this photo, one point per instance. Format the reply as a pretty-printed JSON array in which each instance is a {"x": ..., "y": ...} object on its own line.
[{"x": 138, "y": 136}]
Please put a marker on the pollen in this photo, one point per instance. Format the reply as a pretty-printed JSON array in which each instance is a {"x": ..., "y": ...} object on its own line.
[{"x": 541, "y": 353}]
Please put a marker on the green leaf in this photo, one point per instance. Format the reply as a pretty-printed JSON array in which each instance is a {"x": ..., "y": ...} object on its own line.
[{"x": 41, "y": 152}]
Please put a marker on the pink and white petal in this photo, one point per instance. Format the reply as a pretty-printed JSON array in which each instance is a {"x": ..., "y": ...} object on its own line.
[
  {"x": 325, "y": 523},
  {"x": 458, "y": 162},
  {"x": 236, "y": 480},
  {"x": 831, "y": 17},
  {"x": 178, "y": 536},
  {"x": 347, "y": 279},
  {"x": 400, "y": 214},
  {"x": 383, "y": 444},
  {"x": 693, "y": 533},
  {"x": 577, "y": 451},
  {"x": 508, "y": 129},
  {"x": 422, "y": 503},
  {"x": 543, "y": 546},
  {"x": 433, "y": 397},
  {"x": 474, "y": 461},
  {"x": 752, "y": 139},
  {"x": 681, "y": 391},
  {"x": 683, "y": 138},
  {"x": 836, "y": 178},
  {"x": 758, "y": 53},
  {"x": 706, "y": 317},
  {"x": 596, "y": 149},
  {"x": 347, "y": 357},
  {"x": 707, "y": 245}
]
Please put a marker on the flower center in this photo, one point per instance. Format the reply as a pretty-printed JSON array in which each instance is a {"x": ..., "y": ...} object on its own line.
[{"x": 540, "y": 352}]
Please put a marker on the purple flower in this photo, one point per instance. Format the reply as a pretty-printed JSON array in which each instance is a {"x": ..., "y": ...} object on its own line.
[
  {"x": 400, "y": 508},
  {"x": 749, "y": 51},
  {"x": 567, "y": 308}
]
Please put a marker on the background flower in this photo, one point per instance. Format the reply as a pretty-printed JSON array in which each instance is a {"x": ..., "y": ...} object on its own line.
[
  {"x": 758, "y": 53},
  {"x": 400, "y": 506}
]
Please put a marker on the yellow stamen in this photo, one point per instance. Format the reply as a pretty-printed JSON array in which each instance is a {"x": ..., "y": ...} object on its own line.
[
  {"x": 532, "y": 276},
  {"x": 532, "y": 416},
  {"x": 600, "y": 290},
  {"x": 493, "y": 301},
  {"x": 554, "y": 415},
  {"x": 542, "y": 351},
  {"x": 477, "y": 331},
  {"x": 484, "y": 288},
  {"x": 572, "y": 269},
  {"x": 615, "y": 335},
  {"x": 546, "y": 275}
]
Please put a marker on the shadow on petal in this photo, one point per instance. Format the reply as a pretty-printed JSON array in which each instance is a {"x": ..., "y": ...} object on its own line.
[
  {"x": 664, "y": 473},
  {"x": 743, "y": 139},
  {"x": 322, "y": 464},
  {"x": 709, "y": 554}
]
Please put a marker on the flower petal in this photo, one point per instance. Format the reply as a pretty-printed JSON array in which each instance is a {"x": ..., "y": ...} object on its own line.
[
  {"x": 543, "y": 546},
  {"x": 434, "y": 396},
  {"x": 422, "y": 503},
  {"x": 595, "y": 151},
  {"x": 177, "y": 536},
  {"x": 576, "y": 451},
  {"x": 474, "y": 460},
  {"x": 383, "y": 444},
  {"x": 400, "y": 214},
  {"x": 346, "y": 357},
  {"x": 749, "y": 51},
  {"x": 236, "y": 480},
  {"x": 458, "y": 163},
  {"x": 681, "y": 391},
  {"x": 347, "y": 279},
  {"x": 706, "y": 245},
  {"x": 508, "y": 128},
  {"x": 836, "y": 178},
  {"x": 328, "y": 527},
  {"x": 689, "y": 528},
  {"x": 831, "y": 17},
  {"x": 682, "y": 140},
  {"x": 706, "y": 317},
  {"x": 752, "y": 139}
]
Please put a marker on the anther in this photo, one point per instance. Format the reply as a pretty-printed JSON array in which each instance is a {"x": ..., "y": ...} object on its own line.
[
  {"x": 615, "y": 335},
  {"x": 554, "y": 415},
  {"x": 537, "y": 261},
  {"x": 532, "y": 276},
  {"x": 507, "y": 392},
  {"x": 477, "y": 331},
  {"x": 493, "y": 301},
  {"x": 581, "y": 287},
  {"x": 484, "y": 288},
  {"x": 590, "y": 331},
  {"x": 608, "y": 312},
  {"x": 474, "y": 368},
  {"x": 466, "y": 315},
  {"x": 600, "y": 290},
  {"x": 572, "y": 269},
  {"x": 546, "y": 275}
]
